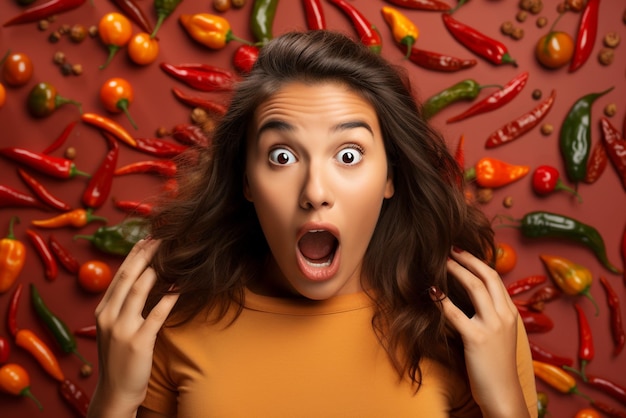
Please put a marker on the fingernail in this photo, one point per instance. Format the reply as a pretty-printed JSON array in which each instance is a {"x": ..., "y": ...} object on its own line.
[
  {"x": 456, "y": 249},
  {"x": 436, "y": 294}
]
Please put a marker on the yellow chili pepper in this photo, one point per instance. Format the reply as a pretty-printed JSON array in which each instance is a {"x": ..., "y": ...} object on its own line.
[
  {"x": 573, "y": 279},
  {"x": 12, "y": 258},
  {"x": 557, "y": 378},
  {"x": 209, "y": 30},
  {"x": 404, "y": 31}
]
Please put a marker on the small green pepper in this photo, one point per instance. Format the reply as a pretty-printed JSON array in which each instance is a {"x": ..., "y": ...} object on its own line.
[
  {"x": 262, "y": 19},
  {"x": 463, "y": 90},
  {"x": 118, "y": 239},
  {"x": 542, "y": 404},
  {"x": 575, "y": 136},
  {"x": 43, "y": 99},
  {"x": 163, "y": 9}
]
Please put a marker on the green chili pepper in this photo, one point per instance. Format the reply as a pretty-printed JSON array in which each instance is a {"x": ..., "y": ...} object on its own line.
[
  {"x": 541, "y": 224},
  {"x": 463, "y": 90},
  {"x": 575, "y": 136},
  {"x": 118, "y": 239},
  {"x": 163, "y": 9},
  {"x": 58, "y": 328},
  {"x": 542, "y": 404},
  {"x": 43, "y": 100},
  {"x": 262, "y": 19}
]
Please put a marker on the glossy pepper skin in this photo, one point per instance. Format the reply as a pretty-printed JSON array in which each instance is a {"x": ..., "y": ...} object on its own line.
[
  {"x": 99, "y": 187},
  {"x": 43, "y": 99},
  {"x": 13, "y": 198},
  {"x": 75, "y": 396},
  {"x": 208, "y": 29},
  {"x": 5, "y": 350},
  {"x": 51, "y": 268},
  {"x": 14, "y": 379},
  {"x": 368, "y": 33},
  {"x": 575, "y": 136},
  {"x": 118, "y": 239},
  {"x": 617, "y": 327},
  {"x": 437, "y": 61},
  {"x": 557, "y": 378},
  {"x": 44, "y": 10},
  {"x": 546, "y": 180},
  {"x": 42, "y": 192},
  {"x": 432, "y": 5},
  {"x": 58, "y": 167},
  {"x": 540, "y": 354},
  {"x": 202, "y": 77},
  {"x": 12, "y": 258},
  {"x": 572, "y": 278},
  {"x": 535, "y": 322},
  {"x": 615, "y": 146},
  {"x": 195, "y": 101},
  {"x": 135, "y": 13},
  {"x": 60, "y": 140},
  {"x": 586, "y": 35},
  {"x": 262, "y": 20},
  {"x": 315, "y": 17},
  {"x": 586, "y": 350},
  {"x": 109, "y": 125},
  {"x": 63, "y": 256},
  {"x": 76, "y": 218},
  {"x": 163, "y": 9},
  {"x": 159, "y": 148},
  {"x": 403, "y": 30},
  {"x": 467, "y": 89},
  {"x": 494, "y": 173}
]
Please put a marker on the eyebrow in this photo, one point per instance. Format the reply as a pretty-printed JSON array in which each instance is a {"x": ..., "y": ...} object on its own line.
[{"x": 280, "y": 125}]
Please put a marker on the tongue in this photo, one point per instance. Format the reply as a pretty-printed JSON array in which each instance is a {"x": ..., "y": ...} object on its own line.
[{"x": 317, "y": 245}]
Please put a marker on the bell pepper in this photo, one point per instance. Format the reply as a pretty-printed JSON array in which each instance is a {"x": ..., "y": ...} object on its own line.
[
  {"x": 492, "y": 173},
  {"x": 572, "y": 278},
  {"x": 403, "y": 30},
  {"x": 118, "y": 239},
  {"x": 208, "y": 29},
  {"x": 12, "y": 258},
  {"x": 557, "y": 378}
]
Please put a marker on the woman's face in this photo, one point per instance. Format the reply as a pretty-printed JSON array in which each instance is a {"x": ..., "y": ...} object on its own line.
[{"x": 317, "y": 174}]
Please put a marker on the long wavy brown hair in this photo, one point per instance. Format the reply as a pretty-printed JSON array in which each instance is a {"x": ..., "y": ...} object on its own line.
[{"x": 212, "y": 243}]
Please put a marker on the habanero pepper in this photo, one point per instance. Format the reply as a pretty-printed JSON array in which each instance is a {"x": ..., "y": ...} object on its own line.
[
  {"x": 118, "y": 239},
  {"x": 63, "y": 256},
  {"x": 165, "y": 168},
  {"x": 432, "y": 5},
  {"x": 209, "y": 30},
  {"x": 403, "y": 30},
  {"x": 615, "y": 146},
  {"x": 55, "y": 325},
  {"x": 76, "y": 218},
  {"x": 524, "y": 284},
  {"x": 463, "y": 90},
  {"x": 546, "y": 180},
  {"x": 58, "y": 167},
  {"x": 479, "y": 43},
  {"x": 575, "y": 136},
  {"x": 586, "y": 35},
  {"x": 43, "y": 11},
  {"x": 42, "y": 193},
  {"x": 617, "y": 327},
  {"x": 493, "y": 173},
  {"x": 105, "y": 124},
  {"x": 520, "y": 125},
  {"x": 597, "y": 162},
  {"x": 496, "y": 99},
  {"x": 60, "y": 140},
  {"x": 541, "y": 354},
  {"x": 314, "y": 13},
  {"x": 543, "y": 224},
  {"x": 607, "y": 386},
  {"x": 99, "y": 186},
  {"x": 573, "y": 279},
  {"x": 13, "y": 198},
  {"x": 202, "y": 77},
  {"x": 159, "y": 148},
  {"x": 436, "y": 61},
  {"x": 12, "y": 258},
  {"x": 75, "y": 397},
  {"x": 163, "y": 9},
  {"x": 51, "y": 268},
  {"x": 368, "y": 33},
  {"x": 262, "y": 20},
  {"x": 196, "y": 101},
  {"x": 133, "y": 207},
  {"x": 557, "y": 378}
]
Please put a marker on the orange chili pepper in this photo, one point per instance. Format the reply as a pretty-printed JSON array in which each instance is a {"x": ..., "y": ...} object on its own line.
[
  {"x": 557, "y": 378},
  {"x": 492, "y": 173},
  {"x": 573, "y": 279},
  {"x": 14, "y": 379},
  {"x": 404, "y": 31},
  {"x": 110, "y": 126},
  {"x": 30, "y": 342},
  {"x": 76, "y": 218},
  {"x": 12, "y": 258},
  {"x": 209, "y": 30}
]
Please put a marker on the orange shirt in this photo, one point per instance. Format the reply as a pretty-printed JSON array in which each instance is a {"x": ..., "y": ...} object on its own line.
[{"x": 294, "y": 358}]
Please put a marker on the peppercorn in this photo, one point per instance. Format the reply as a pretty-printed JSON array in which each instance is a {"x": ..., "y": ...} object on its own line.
[
  {"x": 536, "y": 94},
  {"x": 221, "y": 5},
  {"x": 65, "y": 28},
  {"x": 77, "y": 69},
  {"x": 162, "y": 132},
  {"x": 507, "y": 28},
  {"x": 93, "y": 31},
  {"x": 526, "y": 4},
  {"x": 86, "y": 370},
  {"x": 66, "y": 68},
  {"x": 521, "y": 15},
  {"x": 541, "y": 21},
  {"x": 610, "y": 109},
  {"x": 507, "y": 202},
  {"x": 575, "y": 5},
  {"x": 606, "y": 56},
  {"x": 54, "y": 37},
  {"x": 199, "y": 115},
  {"x": 547, "y": 129},
  {"x": 70, "y": 153},
  {"x": 238, "y": 4},
  {"x": 517, "y": 34},
  {"x": 611, "y": 39},
  {"x": 484, "y": 195},
  {"x": 561, "y": 7},
  {"x": 78, "y": 33},
  {"x": 536, "y": 7},
  {"x": 59, "y": 58},
  {"x": 43, "y": 25}
]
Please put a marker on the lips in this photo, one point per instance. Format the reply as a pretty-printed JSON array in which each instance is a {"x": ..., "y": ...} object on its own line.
[{"x": 318, "y": 250}]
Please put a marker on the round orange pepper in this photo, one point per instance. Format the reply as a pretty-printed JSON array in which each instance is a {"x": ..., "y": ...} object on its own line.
[{"x": 115, "y": 31}]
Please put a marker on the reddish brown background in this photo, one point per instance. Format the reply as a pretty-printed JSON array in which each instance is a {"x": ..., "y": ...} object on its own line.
[{"x": 154, "y": 106}]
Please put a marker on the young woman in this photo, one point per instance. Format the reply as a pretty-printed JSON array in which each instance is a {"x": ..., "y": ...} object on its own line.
[{"x": 320, "y": 259}]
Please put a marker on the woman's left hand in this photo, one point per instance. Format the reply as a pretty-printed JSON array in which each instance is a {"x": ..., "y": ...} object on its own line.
[{"x": 489, "y": 337}]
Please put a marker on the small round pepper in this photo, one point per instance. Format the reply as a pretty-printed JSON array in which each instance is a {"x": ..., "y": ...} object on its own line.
[
  {"x": 43, "y": 99},
  {"x": 209, "y": 30}
]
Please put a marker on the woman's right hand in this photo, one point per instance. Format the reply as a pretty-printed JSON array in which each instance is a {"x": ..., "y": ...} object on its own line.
[{"x": 125, "y": 338}]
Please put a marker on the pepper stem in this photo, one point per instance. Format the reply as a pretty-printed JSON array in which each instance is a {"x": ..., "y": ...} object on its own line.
[
  {"x": 160, "y": 20},
  {"x": 562, "y": 186},
  {"x": 60, "y": 100},
  {"x": 91, "y": 217},
  {"x": 230, "y": 36},
  {"x": 112, "y": 51},
  {"x": 123, "y": 104},
  {"x": 13, "y": 220},
  {"x": 455, "y": 8},
  {"x": 80, "y": 356},
  {"x": 588, "y": 295},
  {"x": 26, "y": 392}
]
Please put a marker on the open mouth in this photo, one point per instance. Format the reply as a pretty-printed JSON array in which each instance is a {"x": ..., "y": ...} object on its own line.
[{"x": 318, "y": 248}]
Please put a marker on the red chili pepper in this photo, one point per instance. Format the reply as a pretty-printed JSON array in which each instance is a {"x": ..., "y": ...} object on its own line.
[
  {"x": 525, "y": 284},
  {"x": 608, "y": 386},
  {"x": 53, "y": 166},
  {"x": 617, "y": 327},
  {"x": 540, "y": 354},
  {"x": 433, "y": 5},
  {"x": 459, "y": 152},
  {"x": 190, "y": 134},
  {"x": 546, "y": 180},
  {"x": 60, "y": 140},
  {"x": 245, "y": 57},
  {"x": 64, "y": 257},
  {"x": 496, "y": 99},
  {"x": 12, "y": 311},
  {"x": 522, "y": 124},
  {"x": 586, "y": 35},
  {"x": 623, "y": 251},
  {"x": 438, "y": 62},
  {"x": 368, "y": 32},
  {"x": 43, "y": 193},
  {"x": 615, "y": 148},
  {"x": 202, "y": 77},
  {"x": 159, "y": 148},
  {"x": 13, "y": 198},
  {"x": 479, "y": 43},
  {"x": 314, "y": 14},
  {"x": 90, "y": 331},
  {"x": 535, "y": 322},
  {"x": 75, "y": 396},
  {"x": 135, "y": 13},
  {"x": 586, "y": 350},
  {"x": 44, "y": 10},
  {"x": 99, "y": 186},
  {"x": 5, "y": 350},
  {"x": 165, "y": 168},
  {"x": 547, "y": 293},
  {"x": 51, "y": 268},
  {"x": 134, "y": 207},
  {"x": 195, "y": 101},
  {"x": 597, "y": 162},
  {"x": 608, "y": 409}
]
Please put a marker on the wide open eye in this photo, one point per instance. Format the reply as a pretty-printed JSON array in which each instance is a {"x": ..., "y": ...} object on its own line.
[
  {"x": 282, "y": 156},
  {"x": 350, "y": 156}
]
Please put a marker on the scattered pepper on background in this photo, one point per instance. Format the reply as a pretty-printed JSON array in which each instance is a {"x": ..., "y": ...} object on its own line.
[
  {"x": 44, "y": 10},
  {"x": 467, "y": 89},
  {"x": 14, "y": 379},
  {"x": 42, "y": 192},
  {"x": 76, "y": 218},
  {"x": 554, "y": 49},
  {"x": 585, "y": 35},
  {"x": 557, "y": 378},
  {"x": 202, "y": 77},
  {"x": 262, "y": 20},
  {"x": 13, "y": 198},
  {"x": 615, "y": 146},
  {"x": 403, "y": 29},
  {"x": 491, "y": 172},
  {"x": 116, "y": 95},
  {"x": 314, "y": 13},
  {"x": 163, "y": 9},
  {"x": 12, "y": 257},
  {"x": 108, "y": 125},
  {"x": 120, "y": 238},
  {"x": 615, "y": 311},
  {"x": 57, "y": 167},
  {"x": 43, "y": 99},
  {"x": 546, "y": 180},
  {"x": 115, "y": 31},
  {"x": 51, "y": 268},
  {"x": 368, "y": 33},
  {"x": 432, "y": 5},
  {"x": 209, "y": 30}
]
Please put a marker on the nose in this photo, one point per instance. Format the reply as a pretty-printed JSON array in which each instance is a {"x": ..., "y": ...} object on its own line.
[{"x": 316, "y": 189}]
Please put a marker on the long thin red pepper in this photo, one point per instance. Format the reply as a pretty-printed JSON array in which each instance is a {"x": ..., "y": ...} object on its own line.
[
  {"x": 75, "y": 396},
  {"x": 586, "y": 35},
  {"x": 541, "y": 354},
  {"x": 201, "y": 77},
  {"x": 159, "y": 148},
  {"x": 368, "y": 33},
  {"x": 51, "y": 268},
  {"x": 432, "y": 5},
  {"x": 135, "y": 13},
  {"x": 617, "y": 327},
  {"x": 60, "y": 140},
  {"x": 134, "y": 207},
  {"x": 541, "y": 296},
  {"x": 479, "y": 43},
  {"x": 190, "y": 134},
  {"x": 195, "y": 101},
  {"x": 611, "y": 388},
  {"x": 535, "y": 322},
  {"x": 14, "y": 303},
  {"x": 623, "y": 251},
  {"x": 44, "y": 10},
  {"x": 586, "y": 350},
  {"x": 608, "y": 409},
  {"x": 64, "y": 257},
  {"x": 615, "y": 148},
  {"x": 89, "y": 331},
  {"x": 43, "y": 193},
  {"x": 496, "y": 99},
  {"x": 99, "y": 186},
  {"x": 315, "y": 18},
  {"x": 165, "y": 168},
  {"x": 598, "y": 159},
  {"x": 524, "y": 284},
  {"x": 12, "y": 198},
  {"x": 522, "y": 124},
  {"x": 436, "y": 61},
  {"x": 53, "y": 166}
]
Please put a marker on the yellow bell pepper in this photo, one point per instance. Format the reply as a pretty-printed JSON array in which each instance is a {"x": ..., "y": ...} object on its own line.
[
  {"x": 209, "y": 30},
  {"x": 403, "y": 30}
]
